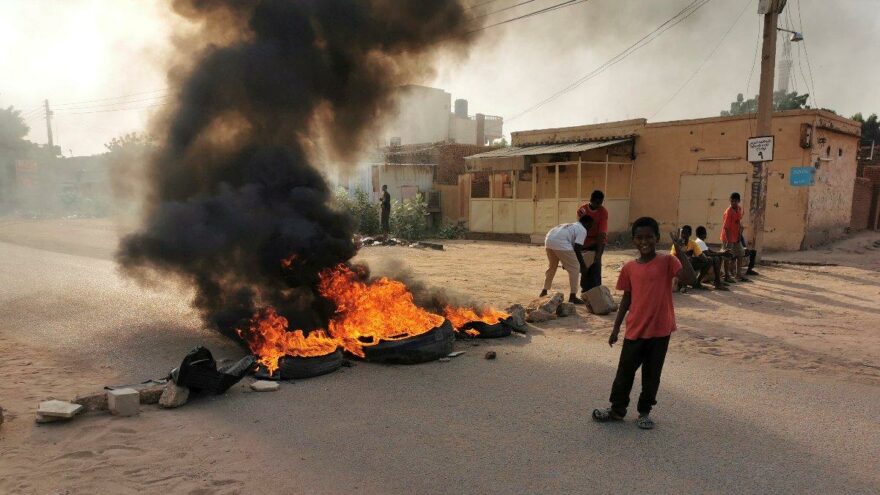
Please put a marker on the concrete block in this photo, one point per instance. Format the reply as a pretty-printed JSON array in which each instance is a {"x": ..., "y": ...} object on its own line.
[
  {"x": 264, "y": 386},
  {"x": 58, "y": 409},
  {"x": 123, "y": 401},
  {"x": 173, "y": 395}
]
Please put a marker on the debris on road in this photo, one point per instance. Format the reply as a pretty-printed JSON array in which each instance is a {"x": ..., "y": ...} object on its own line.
[
  {"x": 490, "y": 355},
  {"x": 455, "y": 354},
  {"x": 444, "y": 360},
  {"x": 96, "y": 401},
  {"x": 517, "y": 319},
  {"x": 123, "y": 402},
  {"x": 566, "y": 309},
  {"x": 264, "y": 386},
  {"x": 173, "y": 395},
  {"x": 57, "y": 410}
]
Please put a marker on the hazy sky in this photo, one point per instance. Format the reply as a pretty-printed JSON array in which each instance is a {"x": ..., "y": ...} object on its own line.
[{"x": 74, "y": 52}]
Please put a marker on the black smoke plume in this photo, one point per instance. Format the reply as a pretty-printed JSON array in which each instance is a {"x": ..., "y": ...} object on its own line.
[{"x": 233, "y": 187}]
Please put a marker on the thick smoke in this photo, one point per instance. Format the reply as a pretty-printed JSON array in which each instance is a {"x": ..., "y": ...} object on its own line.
[{"x": 233, "y": 189}]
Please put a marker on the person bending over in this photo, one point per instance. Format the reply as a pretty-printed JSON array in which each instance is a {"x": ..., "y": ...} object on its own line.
[
  {"x": 646, "y": 283},
  {"x": 564, "y": 243}
]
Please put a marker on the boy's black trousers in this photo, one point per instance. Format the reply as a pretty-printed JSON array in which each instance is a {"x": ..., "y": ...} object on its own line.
[{"x": 650, "y": 355}]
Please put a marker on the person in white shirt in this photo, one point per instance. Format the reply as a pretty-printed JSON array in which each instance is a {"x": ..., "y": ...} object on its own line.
[{"x": 564, "y": 243}]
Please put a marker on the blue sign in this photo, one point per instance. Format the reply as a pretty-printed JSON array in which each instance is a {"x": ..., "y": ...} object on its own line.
[{"x": 802, "y": 176}]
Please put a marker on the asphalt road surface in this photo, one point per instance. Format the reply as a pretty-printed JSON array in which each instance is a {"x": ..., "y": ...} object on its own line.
[{"x": 518, "y": 424}]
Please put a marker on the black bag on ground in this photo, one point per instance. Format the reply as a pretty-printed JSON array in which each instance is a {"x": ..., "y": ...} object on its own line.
[{"x": 198, "y": 371}]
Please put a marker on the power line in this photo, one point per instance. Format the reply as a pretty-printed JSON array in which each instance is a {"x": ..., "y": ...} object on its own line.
[
  {"x": 557, "y": 6},
  {"x": 121, "y": 97},
  {"x": 807, "y": 53},
  {"x": 703, "y": 63},
  {"x": 480, "y": 5},
  {"x": 121, "y": 109},
  {"x": 673, "y": 21},
  {"x": 501, "y": 10},
  {"x": 113, "y": 104}
]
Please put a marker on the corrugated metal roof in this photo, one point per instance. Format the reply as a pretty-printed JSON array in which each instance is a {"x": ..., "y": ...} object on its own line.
[{"x": 544, "y": 149}]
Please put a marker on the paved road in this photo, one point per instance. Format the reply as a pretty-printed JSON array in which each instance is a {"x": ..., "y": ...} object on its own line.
[{"x": 519, "y": 424}]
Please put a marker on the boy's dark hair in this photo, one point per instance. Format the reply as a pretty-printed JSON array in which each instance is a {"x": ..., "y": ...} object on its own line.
[
  {"x": 586, "y": 220},
  {"x": 646, "y": 222},
  {"x": 687, "y": 228},
  {"x": 701, "y": 231},
  {"x": 597, "y": 196},
  {"x": 735, "y": 196}
]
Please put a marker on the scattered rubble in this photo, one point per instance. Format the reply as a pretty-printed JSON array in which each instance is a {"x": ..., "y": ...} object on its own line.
[
  {"x": 455, "y": 354},
  {"x": 539, "y": 315},
  {"x": 490, "y": 355},
  {"x": 57, "y": 410},
  {"x": 547, "y": 304},
  {"x": 566, "y": 309},
  {"x": 381, "y": 240},
  {"x": 599, "y": 300},
  {"x": 264, "y": 386},
  {"x": 444, "y": 360},
  {"x": 123, "y": 402},
  {"x": 96, "y": 401},
  {"x": 173, "y": 395},
  {"x": 517, "y": 319}
]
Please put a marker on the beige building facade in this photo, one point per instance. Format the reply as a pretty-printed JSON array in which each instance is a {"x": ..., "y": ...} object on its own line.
[{"x": 679, "y": 172}]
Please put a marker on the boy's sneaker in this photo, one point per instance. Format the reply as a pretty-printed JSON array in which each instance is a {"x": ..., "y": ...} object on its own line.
[
  {"x": 606, "y": 415},
  {"x": 645, "y": 422},
  {"x": 752, "y": 272},
  {"x": 574, "y": 299},
  {"x": 543, "y": 293}
]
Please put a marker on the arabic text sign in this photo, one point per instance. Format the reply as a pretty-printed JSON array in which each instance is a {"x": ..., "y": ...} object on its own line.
[{"x": 760, "y": 149}]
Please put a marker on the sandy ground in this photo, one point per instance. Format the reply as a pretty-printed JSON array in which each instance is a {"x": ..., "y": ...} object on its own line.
[{"x": 773, "y": 388}]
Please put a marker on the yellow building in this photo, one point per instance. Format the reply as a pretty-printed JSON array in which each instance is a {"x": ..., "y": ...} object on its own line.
[{"x": 679, "y": 172}]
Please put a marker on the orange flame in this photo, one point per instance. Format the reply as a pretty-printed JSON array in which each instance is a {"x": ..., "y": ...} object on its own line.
[
  {"x": 459, "y": 317},
  {"x": 368, "y": 313},
  {"x": 269, "y": 339}
]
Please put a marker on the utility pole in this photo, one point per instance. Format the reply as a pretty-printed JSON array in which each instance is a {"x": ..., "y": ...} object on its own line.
[
  {"x": 760, "y": 170},
  {"x": 48, "y": 122}
]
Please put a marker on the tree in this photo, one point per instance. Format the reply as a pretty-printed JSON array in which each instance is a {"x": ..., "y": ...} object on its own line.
[
  {"x": 870, "y": 127},
  {"x": 13, "y": 129},
  {"x": 781, "y": 101},
  {"x": 133, "y": 142}
]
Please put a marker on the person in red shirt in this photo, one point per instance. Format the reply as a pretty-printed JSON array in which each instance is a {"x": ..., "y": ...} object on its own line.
[
  {"x": 646, "y": 283},
  {"x": 731, "y": 230},
  {"x": 597, "y": 237}
]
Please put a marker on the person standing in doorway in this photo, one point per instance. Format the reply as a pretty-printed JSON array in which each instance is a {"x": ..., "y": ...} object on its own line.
[
  {"x": 597, "y": 237},
  {"x": 386, "y": 210}
]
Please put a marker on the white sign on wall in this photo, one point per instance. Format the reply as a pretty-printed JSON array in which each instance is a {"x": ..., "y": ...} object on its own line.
[{"x": 760, "y": 149}]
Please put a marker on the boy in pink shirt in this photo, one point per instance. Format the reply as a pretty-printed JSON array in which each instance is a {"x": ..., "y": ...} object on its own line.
[{"x": 646, "y": 283}]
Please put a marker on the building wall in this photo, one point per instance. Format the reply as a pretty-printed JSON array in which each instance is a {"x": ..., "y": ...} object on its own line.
[
  {"x": 423, "y": 116},
  {"x": 715, "y": 148},
  {"x": 666, "y": 151},
  {"x": 863, "y": 194},
  {"x": 461, "y": 130},
  {"x": 830, "y": 206}
]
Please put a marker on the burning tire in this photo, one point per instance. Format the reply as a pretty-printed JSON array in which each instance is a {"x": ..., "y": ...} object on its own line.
[
  {"x": 488, "y": 331},
  {"x": 429, "y": 346},
  {"x": 291, "y": 367}
]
